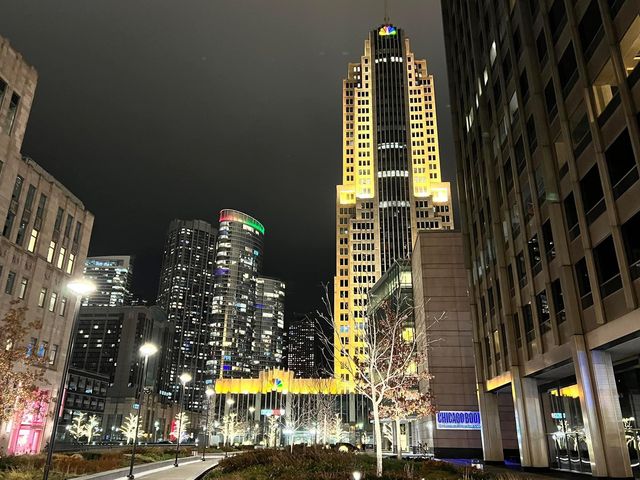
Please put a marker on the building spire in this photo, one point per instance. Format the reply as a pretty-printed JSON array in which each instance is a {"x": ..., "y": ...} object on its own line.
[{"x": 386, "y": 12}]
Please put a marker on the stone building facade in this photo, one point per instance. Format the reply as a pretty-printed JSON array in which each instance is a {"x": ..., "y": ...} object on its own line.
[{"x": 43, "y": 244}]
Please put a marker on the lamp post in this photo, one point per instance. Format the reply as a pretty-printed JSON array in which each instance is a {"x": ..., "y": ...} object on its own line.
[
  {"x": 251, "y": 433},
  {"x": 184, "y": 379},
  {"x": 146, "y": 350},
  {"x": 227, "y": 422},
  {"x": 156, "y": 426},
  {"x": 209, "y": 391},
  {"x": 80, "y": 287}
]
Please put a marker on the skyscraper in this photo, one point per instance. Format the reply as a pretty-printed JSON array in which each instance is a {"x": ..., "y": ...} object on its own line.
[
  {"x": 186, "y": 295},
  {"x": 268, "y": 325},
  {"x": 303, "y": 350},
  {"x": 112, "y": 276},
  {"x": 545, "y": 100},
  {"x": 391, "y": 183},
  {"x": 238, "y": 263}
]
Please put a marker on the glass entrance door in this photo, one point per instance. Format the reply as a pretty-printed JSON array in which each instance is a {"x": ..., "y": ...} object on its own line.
[{"x": 565, "y": 429}]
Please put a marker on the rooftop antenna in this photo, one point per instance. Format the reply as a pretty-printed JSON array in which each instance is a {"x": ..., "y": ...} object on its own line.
[{"x": 386, "y": 12}]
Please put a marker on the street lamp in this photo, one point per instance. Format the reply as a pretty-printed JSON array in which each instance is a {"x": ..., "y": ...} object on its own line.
[
  {"x": 146, "y": 350},
  {"x": 209, "y": 391},
  {"x": 356, "y": 475},
  {"x": 156, "y": 425},
  {"x": 80, "y": 287},
  {"x": 251, "y": 432},
  {"x": 184, "y": 379}
]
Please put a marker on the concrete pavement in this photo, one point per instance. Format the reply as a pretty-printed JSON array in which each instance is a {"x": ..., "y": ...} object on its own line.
[{"x": 188, "y": 469}]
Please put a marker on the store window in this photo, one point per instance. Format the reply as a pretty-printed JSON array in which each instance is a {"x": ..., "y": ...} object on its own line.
[{"x": 564, "y": 427}]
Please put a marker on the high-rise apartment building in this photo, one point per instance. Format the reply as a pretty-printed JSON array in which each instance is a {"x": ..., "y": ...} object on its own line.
[
  {"x": 268, "y": 325},
  {"x": 112, "y": 276},
  {"x": 186, "y": 295},
  {"x": 391, "y": 182},
  {"x": 545, "y": 99},
  {"x": 303, "y": 344},
  {"x": 238, "y": 264},
  {"x": 44, "y": 242}
]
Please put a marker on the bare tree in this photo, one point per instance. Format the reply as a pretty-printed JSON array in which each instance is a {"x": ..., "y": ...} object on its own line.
[
  {"x": 386, "y": 360},
  {"x": 231, "y": 427},
  {"x": 128, "y": 427},
  {"x": 273, "y": 423},
  {"x": 298, "y": 415}
]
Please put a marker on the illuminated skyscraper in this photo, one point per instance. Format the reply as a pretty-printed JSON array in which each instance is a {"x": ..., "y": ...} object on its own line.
[
  {"x": 268, "y": 325},
  {"x": 112, "y": 276},
  {"x": 391, "y": 185},
  {"x": 186, "y": 295},
  {"x": 237, "y": 266}
]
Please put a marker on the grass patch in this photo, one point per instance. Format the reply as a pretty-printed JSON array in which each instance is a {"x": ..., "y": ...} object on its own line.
[
  {"x": 69, "y": 465},
  {"x": 320, "y": 464}
]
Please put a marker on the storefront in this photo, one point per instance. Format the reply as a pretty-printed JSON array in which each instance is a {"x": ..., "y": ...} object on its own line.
[{"x": 564, "y": 427}]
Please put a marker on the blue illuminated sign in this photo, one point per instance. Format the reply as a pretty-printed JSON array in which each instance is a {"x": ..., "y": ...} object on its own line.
[{"x": 458, "y": 420}]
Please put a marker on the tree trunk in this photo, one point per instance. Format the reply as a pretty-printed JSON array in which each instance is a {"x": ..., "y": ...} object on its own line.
[
  {"x": 398, "y": 444},
  {"x": 378, "y": 436}
]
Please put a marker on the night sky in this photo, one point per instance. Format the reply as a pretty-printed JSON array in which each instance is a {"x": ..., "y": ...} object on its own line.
[{"x": 159, "y": 109}]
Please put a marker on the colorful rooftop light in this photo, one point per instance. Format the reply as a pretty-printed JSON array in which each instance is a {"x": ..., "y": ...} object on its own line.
[
  {"x": 387, "y": 31},
  {"x": 235, "y": 216}
]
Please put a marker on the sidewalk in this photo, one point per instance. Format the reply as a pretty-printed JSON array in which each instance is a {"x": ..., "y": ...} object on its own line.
[{"x": 189, "y": 469}]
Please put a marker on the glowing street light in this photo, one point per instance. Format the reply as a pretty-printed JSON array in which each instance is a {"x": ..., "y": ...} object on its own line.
[
  {"x": 79, "y": 287},
  {"x": 185, "y": 377},
  {"x": 146, "y": 350},
  {"x": 356, "y": 475}
]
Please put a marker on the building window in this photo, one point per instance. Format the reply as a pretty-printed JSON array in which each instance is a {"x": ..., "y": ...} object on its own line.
[
  {"x": 11, "y": 280},
  {"x": 607, "y": 267},
  {"x": 53, "y": 354},
  {"x": 11, "y": 113},
  {"x": 592, "y": 195},
  {"x": 42, "y": 297},
  {"x": 547, "y": 238},
  {"x": 550, "y": 100},
  {"x": 62, "y": 307},
  {"x": 60, "y": 262},
  {"x": 584, "y": 287},
  {"x": 631, "y": 239},
  {"x": 590, "y": 28},
  {"x": 22, "y": 290},
  {"x": 52, "y": 301},
  {"x": 558, "y": 301},
  {"x": 542, "y": 307},
  {"x": 33, "y": 240},
  {"x": 621, "y": 164},
  {"x": 571, "y": 213},
  {"x": 70, "y": 263},
  {"x": 568, "y": 70},
  {"x": 51, "y": 252},
  {"x": 534, "y": 255}
]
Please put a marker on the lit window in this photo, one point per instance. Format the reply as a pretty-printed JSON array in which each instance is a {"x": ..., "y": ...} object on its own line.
[
  {"x": 62, "y": 307},
  {"x": 60, "y": 262},
  {"x": 51, "y": 252},
  {"x": 31, "y": 247},
  {"x": 70, "y": 262}
]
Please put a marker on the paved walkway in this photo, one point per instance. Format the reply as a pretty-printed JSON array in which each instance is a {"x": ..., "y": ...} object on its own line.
[{"x": 189, "y": 469}]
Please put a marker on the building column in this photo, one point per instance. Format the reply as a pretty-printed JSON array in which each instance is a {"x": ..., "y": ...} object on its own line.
[
  {"x": 532, "y": 441},
  {"x": 490, "y": 432},
  {"x": 601, "y": 412}
]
